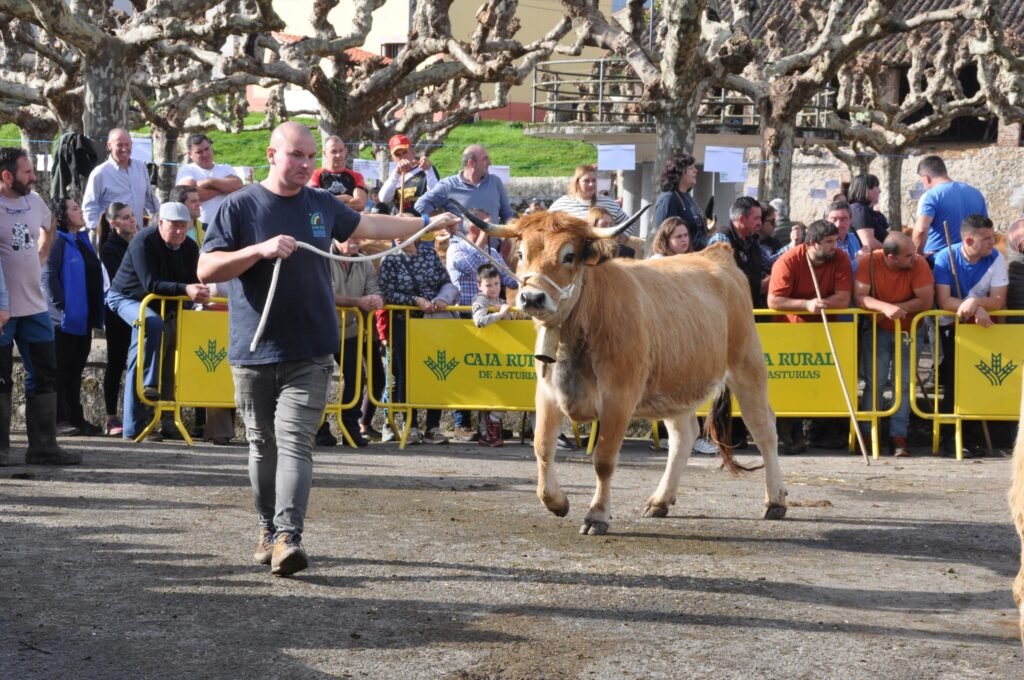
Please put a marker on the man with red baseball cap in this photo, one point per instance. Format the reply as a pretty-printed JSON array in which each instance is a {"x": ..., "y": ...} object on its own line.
[{"x": 411, "y": 178}]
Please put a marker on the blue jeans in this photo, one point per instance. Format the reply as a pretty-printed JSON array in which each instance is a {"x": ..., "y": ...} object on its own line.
[
  {"x": 34, "y": 335},
  {"x": 885, "y": 365},
  {"x": 281, "y": 406},
  {"x": 135, "y": 412}
]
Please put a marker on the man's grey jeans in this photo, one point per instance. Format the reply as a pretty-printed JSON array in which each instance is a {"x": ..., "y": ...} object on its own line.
[{"x": 281, "y": 405}]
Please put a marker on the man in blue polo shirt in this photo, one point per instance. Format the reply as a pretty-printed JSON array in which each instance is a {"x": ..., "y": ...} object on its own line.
[
  {"x": 970, "y": 279},
  {"x": 945, "y": 204},
  {"x": 281, "y": 385}
]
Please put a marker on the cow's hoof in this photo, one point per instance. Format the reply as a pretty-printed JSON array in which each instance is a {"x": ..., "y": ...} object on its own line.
[
  {"x": 559, "y": 508},
  {"x": 594, "y": 528},
  {"x": 656, "y": 509},
  {"x": 775, "y": 512}
]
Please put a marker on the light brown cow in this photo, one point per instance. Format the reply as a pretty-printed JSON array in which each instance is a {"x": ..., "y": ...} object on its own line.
[
  {"x": 1017, "y": 510},
  {"x": 653, "y": 338}
]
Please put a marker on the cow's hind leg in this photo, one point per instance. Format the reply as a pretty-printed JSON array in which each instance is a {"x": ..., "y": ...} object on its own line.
[
  {"x": 606, "y": 456},
  {"x": 749, "y": 382},
  {"x": 545, "y": 442},
  {"x": 682, "y": 433}
]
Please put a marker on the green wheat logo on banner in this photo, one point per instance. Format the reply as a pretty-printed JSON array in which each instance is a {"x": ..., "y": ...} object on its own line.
[
  {"x": 211, "y": 356},
  {"x": 995, "y": 371},
  {"x": 442, "y": 367}
]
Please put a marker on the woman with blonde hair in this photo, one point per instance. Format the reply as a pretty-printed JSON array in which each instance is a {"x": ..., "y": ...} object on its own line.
[
  {"x": 582, "y": 195},
  {"x": 672, "y": 238}
]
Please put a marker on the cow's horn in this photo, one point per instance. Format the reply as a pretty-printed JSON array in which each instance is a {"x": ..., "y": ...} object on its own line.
[
  {"x": 612, "y": 232},
  {"x": 499, "y": 230}
]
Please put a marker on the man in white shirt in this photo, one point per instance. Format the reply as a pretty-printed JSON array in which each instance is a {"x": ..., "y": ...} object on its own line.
[
  {"x": 213, "y": 180},
  {"x": 120, "y": 178}
]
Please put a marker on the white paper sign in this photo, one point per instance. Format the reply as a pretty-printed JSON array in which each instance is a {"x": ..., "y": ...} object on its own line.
[
  {"x": 604, "y": 184},
  {"x": 42, "y": 162},
  {"x": 502, "y": 172},
  {"x": 724, "y": 159},
  {"x": 616, "y": 157},
  {"x": 832, "y": 184},
  {"x": 734, "y": 177},
  {"x": 917, "y": 191},
  {"x": 142, "y": 149},
  {"x": 819, "y": 193},
  {"x": 370, "y": 170}
]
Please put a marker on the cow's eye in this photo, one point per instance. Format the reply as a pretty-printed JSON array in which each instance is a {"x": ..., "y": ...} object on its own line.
[{"x": 567, "y": 258}]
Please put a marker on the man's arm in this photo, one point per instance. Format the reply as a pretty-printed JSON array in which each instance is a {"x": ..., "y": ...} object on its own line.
[
  {"x": 505, "y": 211},
  {"x": 357, "y": 201},
  {"x": 781, "y": 303},
  {"x": 217, "y": 266},
  {"x": 387, "y": 227},
  {"x": 391, "y": 184},
  {"x": 46, "y": 238},
  {"x": 920, "y": 234},
  {"x": 212, "y": 187},
  {"x": 91, "y": 199}
]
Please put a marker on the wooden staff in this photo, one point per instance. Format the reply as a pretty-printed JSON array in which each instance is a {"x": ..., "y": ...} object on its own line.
[
  {"x": 839, "y": 369},
  {"x": 960, "y": 294},
  {"x": 401, "y": 194}
]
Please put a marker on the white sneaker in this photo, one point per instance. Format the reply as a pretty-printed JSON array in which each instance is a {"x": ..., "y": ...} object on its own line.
[
  {"x": 705, "y": 447},
  {"x": 566, "y": 444},
  {"x": 386, "y": 434}
]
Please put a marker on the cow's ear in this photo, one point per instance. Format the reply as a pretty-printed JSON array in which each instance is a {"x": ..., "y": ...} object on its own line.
[{"x": 596, "y": 251}]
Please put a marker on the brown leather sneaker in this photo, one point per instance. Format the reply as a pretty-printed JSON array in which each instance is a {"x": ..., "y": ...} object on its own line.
[
  {"x": 265, "y": 546},
  {"x": 288, "y": 557}
]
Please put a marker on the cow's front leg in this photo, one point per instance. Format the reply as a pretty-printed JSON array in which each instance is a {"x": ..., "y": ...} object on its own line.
[
  {"x": 606, "y": 456},
  {"x": 545, "y": 442},
  {"x": 682, "y": 433}
]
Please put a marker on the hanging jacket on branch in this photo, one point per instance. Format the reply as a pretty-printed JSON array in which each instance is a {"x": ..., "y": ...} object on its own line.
[{"x": 74, "y": 158}]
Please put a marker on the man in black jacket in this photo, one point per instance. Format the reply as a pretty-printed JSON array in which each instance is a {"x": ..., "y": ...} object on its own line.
[{"x": 159, "y": 260}]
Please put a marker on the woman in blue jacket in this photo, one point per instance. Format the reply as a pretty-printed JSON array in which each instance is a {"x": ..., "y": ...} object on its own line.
[{"x": 73, "y": 282}]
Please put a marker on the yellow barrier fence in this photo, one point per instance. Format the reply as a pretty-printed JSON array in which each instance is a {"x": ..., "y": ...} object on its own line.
[
  {"x": 987, "y": 375},
  {"x": 202, "y": 376}
]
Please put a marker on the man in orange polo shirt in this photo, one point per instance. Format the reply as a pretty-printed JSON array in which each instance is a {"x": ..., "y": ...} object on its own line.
[
  {"x": 896, "y": 283},
  {"x": 791, "y": 289}
]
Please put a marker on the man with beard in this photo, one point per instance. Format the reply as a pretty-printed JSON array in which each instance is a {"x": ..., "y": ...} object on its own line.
[
  {"x": 742, "y": 233},
  {"x": 24, "y": 315},
  {"x": 791, "y": 289},
  {"x": 895, "y": 282}
]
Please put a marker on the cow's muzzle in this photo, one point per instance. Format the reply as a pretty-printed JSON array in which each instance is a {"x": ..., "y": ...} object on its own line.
[{"x": 533, "y": 299}]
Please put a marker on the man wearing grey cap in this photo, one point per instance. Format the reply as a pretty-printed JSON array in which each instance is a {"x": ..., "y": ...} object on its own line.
[{"x": 159, "y": 260}]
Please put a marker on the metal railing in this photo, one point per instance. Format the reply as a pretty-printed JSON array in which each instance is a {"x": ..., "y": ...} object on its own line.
[{"x": 607, "y": 91}]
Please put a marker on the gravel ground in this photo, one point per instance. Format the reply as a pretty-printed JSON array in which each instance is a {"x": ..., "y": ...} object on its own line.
[{"x": 440, "y": 562}]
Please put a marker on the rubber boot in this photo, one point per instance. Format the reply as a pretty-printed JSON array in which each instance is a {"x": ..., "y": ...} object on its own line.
[
  {"x": 41, "y": 423},
  {"x": 5, "y": 428},
  {"x": 493, "y": 436}
]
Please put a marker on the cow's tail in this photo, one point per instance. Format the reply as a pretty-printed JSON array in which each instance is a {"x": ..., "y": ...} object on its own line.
[{"x": 718, "y": 428}]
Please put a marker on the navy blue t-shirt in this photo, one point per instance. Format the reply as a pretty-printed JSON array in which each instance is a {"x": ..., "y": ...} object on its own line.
[{"x": 302, "y": 322}]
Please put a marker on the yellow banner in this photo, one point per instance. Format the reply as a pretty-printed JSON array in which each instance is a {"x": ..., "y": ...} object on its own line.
[
  {"x": 453, "y": 363},
  {"x": 988, "y": 369},
  {"x": 203, "y": 375},
  {"x": 802, "y": 375}
]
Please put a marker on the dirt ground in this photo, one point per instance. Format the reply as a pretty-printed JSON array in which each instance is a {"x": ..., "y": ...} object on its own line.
[{"x": 440, "y": 562}]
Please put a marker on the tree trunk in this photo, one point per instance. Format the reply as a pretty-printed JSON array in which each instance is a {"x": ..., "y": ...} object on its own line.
[
  {"x": 675, "y": 128},
  {"x": 166, "y": 155},
  {"x": 777, "y": 155},
  {"x": 37, "y": 138},
  {"x": 107, "y": 72},
  {"x": 892, "y": 185}
]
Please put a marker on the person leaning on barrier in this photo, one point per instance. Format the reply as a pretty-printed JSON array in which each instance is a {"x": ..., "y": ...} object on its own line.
[
  {"x": 24, "y": 315},
  {"x": 160, "y": 260},
  {"x": 791, "y": 289},
  {"x": 897, "y": 283},
  {"x": 281, "y": 384},
  {"x": 355, "y": 285},
  {"x": 971, "y": 280}
]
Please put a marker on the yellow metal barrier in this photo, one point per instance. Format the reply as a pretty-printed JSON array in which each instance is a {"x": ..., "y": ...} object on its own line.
[
  {"x": 202, "y": 376},
  {"x": 987, "y": 382}
]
